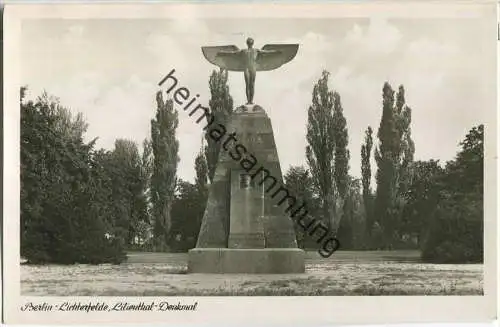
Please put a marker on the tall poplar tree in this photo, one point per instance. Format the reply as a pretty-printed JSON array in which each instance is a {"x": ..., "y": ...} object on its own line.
[
  {"x": 387, "y": 157},
  {"x": 341, "y": 167},
  {"x": 163, "y": 181},
  {"x": 341, "y": 139},
  {"x": 394, "y": 159},
  {"x": 321, "y": 146},
  {"x": 128, "y": 189},
  {"x": 146, "y": 173},
  {"x": 366, "y": 172},
  {"x": 221, "y": 107},
  {"x": 201, "y": 168},
  {"x": 406, "y": 148},
  {"x": 143, "y": 226}
]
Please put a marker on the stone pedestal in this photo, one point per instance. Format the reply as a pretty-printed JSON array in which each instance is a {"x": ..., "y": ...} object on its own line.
[
  {"x": 245, "y": 228},
  {"x": 249, "y": 261}
]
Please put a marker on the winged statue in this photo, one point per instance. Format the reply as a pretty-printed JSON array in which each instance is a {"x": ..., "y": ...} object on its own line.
[{"x": 250, "y": 60}]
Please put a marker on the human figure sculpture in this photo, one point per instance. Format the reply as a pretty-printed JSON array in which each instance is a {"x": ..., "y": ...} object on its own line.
[{"x": 250, "y": 60}]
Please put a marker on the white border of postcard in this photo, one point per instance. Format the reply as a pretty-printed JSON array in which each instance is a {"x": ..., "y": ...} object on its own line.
[{"x": 246, "y": 310}]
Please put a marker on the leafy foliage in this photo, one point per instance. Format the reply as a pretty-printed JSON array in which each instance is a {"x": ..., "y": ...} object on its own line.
[
  {"x": 352, "y": 225},
  {"x": 221, "y": 107},
  {"x": 187, "y": 213},
  {"x": 455, "y": 233},
  {"x": 128, "y": 188},
  {"x": 394, "y": 157},
  {"x": 386, "y": 157},
  {"x": 406, "y": 148},
  {"x": 342, "y": 156},
  {"x": 165, "y": 148},
  {"x": 81, "y": 204},
  {"x": 63, "y": 192},
  {"x": 201, "y": 180},
  {"x": 321, "y": 146},
  {"x": 421, "y": 197},
  {"x": 301, "y": 185},
  {"x": 366, "y": 172},
  {"x": 188, "y": 207}
]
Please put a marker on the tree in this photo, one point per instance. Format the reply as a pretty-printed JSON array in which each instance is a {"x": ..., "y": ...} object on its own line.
[
  {"x": 201, "y": 168},
  {"x": 63, "y": 190},
  {"x": 299, "y": 183},
  {"x": 421, "y": 198},
  {"x": 143, "y": 234},
  {"x": 341, "y": 165},
  {"x": 146, "y": 173},
  {"x": 123, "y": 175},
  {"x": 104, "y": 202},
  {"x": 342, "y": 156},
  {"x": 406, "y": 144},
  {"x": 221, "y": 107},
  {"x": 351, "y": 227},
  {"x": 71, "y": 126},
  {"x": 321, "y": 146},
  {"x": 187, "y": 214},
  {"x": 201, "y": 196},
  {"x": 465, "y": 173},
  {"x": 165, "y": 148},
  {"x": 129, "y": 187},
  {"x": 387, "y": 156},
  {"x": 454, "y": 233},
  {"x": 366, "y": 150},
  {"x": 406, "y": 151}
]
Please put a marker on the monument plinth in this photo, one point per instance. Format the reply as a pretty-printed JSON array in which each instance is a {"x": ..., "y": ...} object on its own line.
[{"x": 244, "y": 230}]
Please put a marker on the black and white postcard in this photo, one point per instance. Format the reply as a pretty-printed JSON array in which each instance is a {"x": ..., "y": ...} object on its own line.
[{"x": 250, "y": 163}]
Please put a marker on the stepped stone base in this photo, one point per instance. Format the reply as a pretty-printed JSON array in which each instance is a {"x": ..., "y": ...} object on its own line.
[{"x": 246, "y": 261}]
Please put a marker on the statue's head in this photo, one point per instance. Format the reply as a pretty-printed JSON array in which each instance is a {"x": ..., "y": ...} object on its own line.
[{"x": 249, "y": 42}]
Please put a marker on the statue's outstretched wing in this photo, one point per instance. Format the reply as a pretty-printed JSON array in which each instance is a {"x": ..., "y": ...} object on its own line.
[
  {"x": 279, "y": 55},
  {"x": 228, "y": 57}
]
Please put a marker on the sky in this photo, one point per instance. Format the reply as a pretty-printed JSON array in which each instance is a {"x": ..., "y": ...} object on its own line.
[{"x": 109, "y": 70}]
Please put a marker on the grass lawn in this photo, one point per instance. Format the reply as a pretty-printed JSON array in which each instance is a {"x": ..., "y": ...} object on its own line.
[{"x": 345, "y": 273}]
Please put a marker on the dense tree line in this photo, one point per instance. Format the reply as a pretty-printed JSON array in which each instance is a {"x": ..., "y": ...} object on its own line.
[
  {"x": 88, "y": 205},
  {"x": 67, "y": 195},
  {"x": 452, "y": 199},
  {"x": 414, "y": 204}
]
